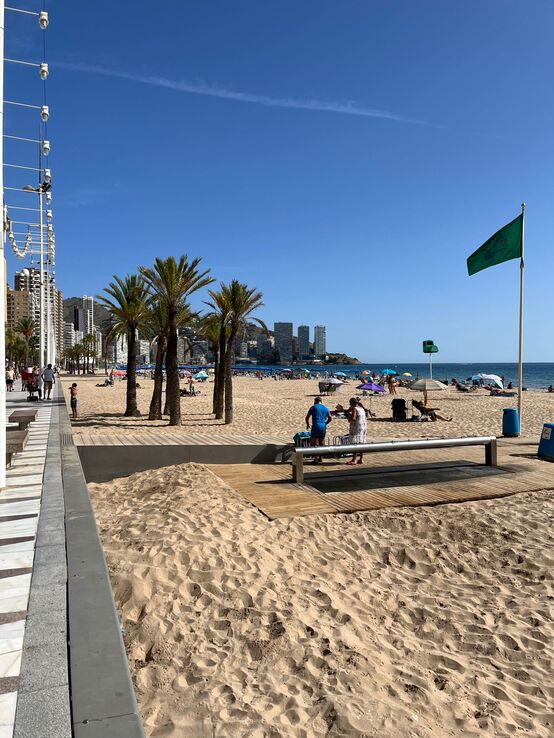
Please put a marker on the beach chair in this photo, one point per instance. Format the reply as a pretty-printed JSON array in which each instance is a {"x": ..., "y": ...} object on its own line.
[{"x": 399, "y": 409}]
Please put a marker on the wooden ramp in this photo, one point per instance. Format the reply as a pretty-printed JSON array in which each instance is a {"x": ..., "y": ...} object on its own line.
[{"x": 428, "y": 477}]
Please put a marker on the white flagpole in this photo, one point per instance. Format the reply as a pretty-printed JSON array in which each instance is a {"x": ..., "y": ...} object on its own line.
[{"x": 520, "y": 359}]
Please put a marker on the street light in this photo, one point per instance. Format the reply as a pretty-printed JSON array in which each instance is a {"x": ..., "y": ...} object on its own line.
[
  {"x": 43, "y": 19},
  {"x": 43, "y": 71},
  {"x": 44, "y": 113}
]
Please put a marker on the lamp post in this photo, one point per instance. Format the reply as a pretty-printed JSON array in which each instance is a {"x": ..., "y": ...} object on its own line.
[{"x": 2, "y": 268}]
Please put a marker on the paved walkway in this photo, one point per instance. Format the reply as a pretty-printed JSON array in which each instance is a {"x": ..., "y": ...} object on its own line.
[{"x": 19, "y": 515}]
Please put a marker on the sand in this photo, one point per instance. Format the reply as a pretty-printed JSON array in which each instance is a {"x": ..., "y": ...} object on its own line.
[
  {"x": 277, "y": 409},
  {"x": 399, "y": 623}
]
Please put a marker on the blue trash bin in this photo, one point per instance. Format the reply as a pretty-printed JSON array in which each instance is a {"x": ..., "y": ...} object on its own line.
[
  {"x": 510, "y": 423},
  {"x": 546, "y": 445}
]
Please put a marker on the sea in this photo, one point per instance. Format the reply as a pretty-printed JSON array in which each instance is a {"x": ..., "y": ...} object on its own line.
[{"x": 535, "y": 375}]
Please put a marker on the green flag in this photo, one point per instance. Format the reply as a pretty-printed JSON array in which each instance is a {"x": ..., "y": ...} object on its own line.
[{"x": 503, "y": 246}]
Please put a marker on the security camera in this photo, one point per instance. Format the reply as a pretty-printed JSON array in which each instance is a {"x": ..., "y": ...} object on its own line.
[
  {"x": 46, "y": 147},
  {"x": 44, "y": 113},
  {"x": 43, "y": 19},
  {"x": 43, "y": 70}
]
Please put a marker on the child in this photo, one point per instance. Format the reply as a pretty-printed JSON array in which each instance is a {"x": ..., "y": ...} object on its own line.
[{"x": 73, "y": 403}]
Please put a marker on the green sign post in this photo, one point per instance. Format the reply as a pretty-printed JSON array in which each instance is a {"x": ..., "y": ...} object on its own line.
[{"x": 430, "y": 348}]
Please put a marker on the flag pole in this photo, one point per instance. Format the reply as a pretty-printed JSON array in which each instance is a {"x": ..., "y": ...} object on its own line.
[{"x": 520, "y": 352}]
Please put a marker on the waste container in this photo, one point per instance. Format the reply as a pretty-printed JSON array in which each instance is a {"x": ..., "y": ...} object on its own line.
[
  {"x": 510, "y": 423},
  {"x": 546, "y": 444}
]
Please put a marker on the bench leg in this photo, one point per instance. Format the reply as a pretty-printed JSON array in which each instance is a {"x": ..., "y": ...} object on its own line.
[
  {"x": 491, "y": 454},
  {"x": 8, "y": 459},
  {"x": 298, "y": 467}
]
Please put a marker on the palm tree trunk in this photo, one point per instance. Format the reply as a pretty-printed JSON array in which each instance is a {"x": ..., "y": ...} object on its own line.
[
  {"x": 216, "y": 370},
  {"x": 229, "y": 385},
  {"x": 132, "y": 409},
  {"x": 156, "y": 402},
  {"x": 219, "y": 388},
  {"x": 172, "y": 391}
]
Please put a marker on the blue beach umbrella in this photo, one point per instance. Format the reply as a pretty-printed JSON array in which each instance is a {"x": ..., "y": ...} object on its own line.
[{"x": 388, "y": 371}]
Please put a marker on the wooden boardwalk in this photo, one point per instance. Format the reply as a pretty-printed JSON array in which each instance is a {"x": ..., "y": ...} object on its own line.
[
  {"x": 165, "y": 437},
  {"x": 417, "y": 478}
]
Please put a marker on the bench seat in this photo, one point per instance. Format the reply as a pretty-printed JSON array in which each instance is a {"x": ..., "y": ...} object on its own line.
[
  {"x": 23, "y": 418},
  {"x": 15, "y": 443}
]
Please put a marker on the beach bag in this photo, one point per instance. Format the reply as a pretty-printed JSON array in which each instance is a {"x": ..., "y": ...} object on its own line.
[{"x": 301, "y": 439}]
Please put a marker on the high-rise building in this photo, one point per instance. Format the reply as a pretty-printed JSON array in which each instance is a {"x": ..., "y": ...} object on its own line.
[
  {"x": 320, "y": 343},
  {"x": 68, "y": 336},
  {"x": 304, "y": 341},
  {"x": 283, "y": 341},
  {"x": 19, "y": 305},
  {"x": 88, "y": 314},
  {"x": 58, "y": 330},
  {"x": 28, "y": 280},
  {"x": 79, "y": 322}
]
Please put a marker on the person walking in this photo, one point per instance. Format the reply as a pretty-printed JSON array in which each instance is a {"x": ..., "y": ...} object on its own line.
[
  {"x": 320, "y": 417},
  {"x": 37, "y": 378},
  {"x": 10, "y": 378},
  {"x": 357, "y": 429},
  {"x": 49, "y": 379}
]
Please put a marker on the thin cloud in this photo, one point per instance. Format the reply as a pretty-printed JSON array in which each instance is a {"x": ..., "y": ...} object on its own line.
[{"x": 201, "y": 88}]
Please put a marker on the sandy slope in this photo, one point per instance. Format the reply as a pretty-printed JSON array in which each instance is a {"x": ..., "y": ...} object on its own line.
[
  {"x": 419, "y": 623},
  {"x": 278, "y": 409}
]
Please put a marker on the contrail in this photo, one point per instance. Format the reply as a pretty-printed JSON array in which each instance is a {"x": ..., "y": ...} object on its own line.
[{"x": 343, "y": 108}]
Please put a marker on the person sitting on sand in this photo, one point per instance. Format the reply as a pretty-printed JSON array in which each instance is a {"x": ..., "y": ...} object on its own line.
[
  {"x": 357, "y": 429},
  {"x": 430, "y": 411},
  {"x": 551, "y": 389},
  {"x": 321, "y": 417}
]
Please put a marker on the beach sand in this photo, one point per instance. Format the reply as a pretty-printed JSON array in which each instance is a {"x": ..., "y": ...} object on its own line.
[
  {"x": 400, "y": 623},
  {"x": 278, "y": 409}
]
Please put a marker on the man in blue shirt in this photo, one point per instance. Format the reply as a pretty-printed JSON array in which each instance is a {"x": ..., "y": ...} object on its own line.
[{"x": 321, "y": 417}]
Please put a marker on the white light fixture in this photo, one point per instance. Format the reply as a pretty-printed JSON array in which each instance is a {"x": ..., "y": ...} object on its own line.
[
  {"x": 50, "y": 228},
  {"x": 44, "y": 113},
  {"x": 43, "y": 19},
  {"x": 49, "y": 215},
  {"x": 48, "y": 197},
  {"x": 43, "y": 70},
  {"x": 47, "y": 176},
  {"x": 46, "y": 147}
]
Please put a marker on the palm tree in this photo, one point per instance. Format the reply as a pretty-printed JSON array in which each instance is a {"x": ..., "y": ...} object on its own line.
[
  {"x": 209, "y": 328},
  {"x": 128, "y": 302},
  {"x": 26, "y": 326},
  {"x": 235, "y": 303},
  {"x": 171, "y": 282}
]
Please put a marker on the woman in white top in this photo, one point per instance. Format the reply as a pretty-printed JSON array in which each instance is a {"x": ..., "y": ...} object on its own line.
[{"x": 358, "y": 428}]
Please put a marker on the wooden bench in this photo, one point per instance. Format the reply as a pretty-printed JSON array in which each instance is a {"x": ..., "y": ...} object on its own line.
[
  {"x": 23, "y": 418},
  {"x": 489, "y": 442},
  {"x": 15, "y": 443}
]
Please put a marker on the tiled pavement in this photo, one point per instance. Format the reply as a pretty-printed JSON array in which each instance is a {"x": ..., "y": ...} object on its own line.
[{"x": 19, "y": 515}]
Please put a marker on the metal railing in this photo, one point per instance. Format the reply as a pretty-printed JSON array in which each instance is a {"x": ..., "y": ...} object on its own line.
[{"x": 489, "y": 442}]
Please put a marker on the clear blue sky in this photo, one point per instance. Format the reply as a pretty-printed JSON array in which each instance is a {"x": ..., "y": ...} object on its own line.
[{"x": 345, "y": 158}]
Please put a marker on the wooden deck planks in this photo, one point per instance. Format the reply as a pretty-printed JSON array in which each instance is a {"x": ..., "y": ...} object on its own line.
[{"x": 330, "y": 488}]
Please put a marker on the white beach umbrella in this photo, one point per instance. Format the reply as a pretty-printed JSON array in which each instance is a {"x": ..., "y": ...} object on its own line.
[
  {"x": 426, "y": 385},
  {"x": 494, "y": 378}
]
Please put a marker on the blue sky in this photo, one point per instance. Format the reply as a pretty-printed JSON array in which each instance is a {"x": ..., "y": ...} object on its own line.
[{"x": 345, "y": 158}]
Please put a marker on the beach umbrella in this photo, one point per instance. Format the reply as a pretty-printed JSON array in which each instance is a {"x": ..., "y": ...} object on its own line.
[
  {"x": 370, "y": 387},
  {"x": 388, "y": 371},
  {"x": 340, "y": 374},
  {"x": 331, "y": 380},
  {"x": 364, "y": 372},
  {"x": 406, "y": 374},
  {"x": 427, "y": 385},
  {"x": 119, "y": 372},
  {"x": 200, "y": 375},
  {"x": 494, "y": 378}
]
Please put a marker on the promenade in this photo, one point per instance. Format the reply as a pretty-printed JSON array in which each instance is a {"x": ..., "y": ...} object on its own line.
[{"x": 53, "y": 582}]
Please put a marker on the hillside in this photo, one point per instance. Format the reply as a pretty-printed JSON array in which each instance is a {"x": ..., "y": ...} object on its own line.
[{"x": 100, "y": 313}]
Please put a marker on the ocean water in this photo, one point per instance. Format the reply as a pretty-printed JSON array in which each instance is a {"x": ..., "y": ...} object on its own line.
[{"x": 535, "y": 375}]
